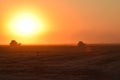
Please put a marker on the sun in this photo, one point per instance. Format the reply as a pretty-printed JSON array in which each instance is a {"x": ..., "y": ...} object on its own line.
[{"x": 26, "y": 24}]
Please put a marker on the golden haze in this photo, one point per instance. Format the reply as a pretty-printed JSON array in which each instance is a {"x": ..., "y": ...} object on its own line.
[{"x": 25, "y": 25}]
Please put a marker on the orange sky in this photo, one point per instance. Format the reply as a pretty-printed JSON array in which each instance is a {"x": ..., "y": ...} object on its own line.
[{"x": 92, "y": 21}]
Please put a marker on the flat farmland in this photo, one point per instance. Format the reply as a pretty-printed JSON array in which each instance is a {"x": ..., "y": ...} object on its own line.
[{"x": 96, "y": 62}]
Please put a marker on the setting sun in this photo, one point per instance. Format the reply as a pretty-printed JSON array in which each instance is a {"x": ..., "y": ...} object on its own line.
[{"x": 26, "y": 24}]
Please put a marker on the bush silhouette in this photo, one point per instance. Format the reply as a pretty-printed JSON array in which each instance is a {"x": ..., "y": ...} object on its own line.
[{"x": 14, "y": 43}]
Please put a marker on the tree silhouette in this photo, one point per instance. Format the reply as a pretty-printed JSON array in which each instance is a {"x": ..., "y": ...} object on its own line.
[{"x": 14, "y": 43}]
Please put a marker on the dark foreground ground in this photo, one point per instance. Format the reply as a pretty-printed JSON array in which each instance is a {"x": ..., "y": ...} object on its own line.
[{"x": 97, "y": 62}]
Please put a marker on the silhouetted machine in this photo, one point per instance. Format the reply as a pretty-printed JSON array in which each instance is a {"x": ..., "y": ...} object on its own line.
[{"x": 81, "y": 44}]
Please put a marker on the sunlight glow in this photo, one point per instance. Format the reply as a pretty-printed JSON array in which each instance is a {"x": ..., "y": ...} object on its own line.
[{"x": 26, "y": 24}]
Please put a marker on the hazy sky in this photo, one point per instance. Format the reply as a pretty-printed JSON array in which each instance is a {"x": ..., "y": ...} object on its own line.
[{"x": 92, "y": 21}]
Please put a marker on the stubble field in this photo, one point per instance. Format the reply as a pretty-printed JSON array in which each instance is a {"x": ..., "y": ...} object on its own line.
[{"x": 97, "y": 62}]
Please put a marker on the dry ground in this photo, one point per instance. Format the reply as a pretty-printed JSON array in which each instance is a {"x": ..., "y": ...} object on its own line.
[{"x": 97, "y": 62}]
